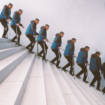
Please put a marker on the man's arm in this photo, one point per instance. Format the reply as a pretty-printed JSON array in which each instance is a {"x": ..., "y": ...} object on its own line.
[
  {"x": 16, "y": 16},
  {"x": 5, "y": 12},
  {"x": 33, "y": 27},
  {"x": 85, "y": 55},
  {"x": 99, "y": 62},
  {"x": 43, "y": 32}
]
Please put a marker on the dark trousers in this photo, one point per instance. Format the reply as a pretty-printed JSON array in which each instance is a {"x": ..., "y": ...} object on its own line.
[
  {"x": 17, "y": 34},
  {"x": 32, "y": 40},
  {"x": 57, "y": 56},
  {"x": 42, "y": 46},
  {"x": 97, "y": 78},
  {"x": 69, "y": 59},
  {"x": 4, "y": 23},
  {"x": 84, "y": 70}
]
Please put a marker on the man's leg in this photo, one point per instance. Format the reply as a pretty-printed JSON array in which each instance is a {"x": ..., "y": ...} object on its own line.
[
  {"x": 32, "y": 43},
  {"x": 68, "y": 64},
  {"x": 14, "y": 29},
  {"x": 98, "y": 80},
  {"x": 81, "y": 72},
  {"x": 94, "y": 79},
  {"x": 58, "y": 59},
  {"x": 4, "y": 23},
  {"x": 18, "y": 34},
  {"x": 45, "y": 48},
  {"x": 29, "y": 37},
  {"x": 85, "y": 72},
  {"x": 41, "y": 44}
]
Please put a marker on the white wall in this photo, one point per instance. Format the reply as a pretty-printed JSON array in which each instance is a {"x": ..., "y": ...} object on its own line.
[{"x": 82, "y": 19}]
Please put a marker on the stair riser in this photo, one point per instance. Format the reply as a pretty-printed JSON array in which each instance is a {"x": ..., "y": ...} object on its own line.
[
  {"x": 2, "y": 40},
  {"x": 7, "y": 45},
  {"x": 7, "y": 70},
  {"x": 8, "y": 53}
]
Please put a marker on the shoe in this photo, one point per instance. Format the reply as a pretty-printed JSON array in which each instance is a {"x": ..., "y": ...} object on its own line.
[
  {"x": 52, "y": 62},
  {"x": 40, "y": 55},
  {"x": 19, "y": 44},
  {"x": 92, "y": 85},
  {"x": 44, "y": 59},
  {"x": 64, "y": 69},
  {"x": 72, "y": 74},
  {"x": 78, "y": 77},
  {"x": 103, "y": 90},
  {"x": 4, "y": 37},
  {"x": 13, "y": 41},
  {"x": 85, "y": 81},
  {"x": 31, "y": 51},
  {"x": 98, "y": 89},
  {"x": 58, "y": 67}
]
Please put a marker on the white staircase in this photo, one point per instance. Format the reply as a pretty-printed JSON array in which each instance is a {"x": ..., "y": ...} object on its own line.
[{"x": 25, "y": 79}]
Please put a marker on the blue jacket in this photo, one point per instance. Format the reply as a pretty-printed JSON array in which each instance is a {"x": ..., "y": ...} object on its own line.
[
  {"x": 31, "y": 30},
  {"x": 57, "y": 42},
  {"x": 82, "y": 56},
  {"x": 16, "y": 17},
  {"x": 69, "y": 50},
  {"x": 95, "y": 63},
  {"x": 42, "y": 34},
  {"x": 6, "y": 12}
]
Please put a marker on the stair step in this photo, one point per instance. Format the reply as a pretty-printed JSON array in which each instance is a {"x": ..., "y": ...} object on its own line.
[
  {"x": 67, "y": 93},
  {"x": 3, "y": 40},
  {"x": 53, "y": 93},
  {"x": 94, "y": 92},
  {"x": 9, "y": 51},
  {"x": 88, "y": 95},
  {"x": 13, "y": 87},
  {"x": 7, "y": 65},
  {"x": 35, "y": 91},
  {"x": 7, "y": 45},
  {"x": 76, "y": 91}
]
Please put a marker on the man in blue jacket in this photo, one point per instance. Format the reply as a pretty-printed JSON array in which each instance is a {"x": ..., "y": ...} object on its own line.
[
  {"x": 5, "y": 18},
  {"x": 15, "y": 23},
  {"x": 32, "y": 34},
  {"x": 81, "y": 61},
  {"x": 42, "y": 39},
  {"x": 95, "y": 66},
  {"x": 56, "y": 46},
  {"x": 69, "y": 53}
]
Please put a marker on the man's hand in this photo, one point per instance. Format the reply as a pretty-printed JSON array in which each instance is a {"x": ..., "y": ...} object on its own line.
[
  {"x": 8, "y": 20},
  {"x": 36, "y": 36},
  {"x": 88, "y": 64},
  {"x": 45, "y": 40},
  {"x": 17, "y": 24},
  {"x": 59, "y": 48},
  {"x": 74, "y": 56},
  {"x": 22, "y": 26}
]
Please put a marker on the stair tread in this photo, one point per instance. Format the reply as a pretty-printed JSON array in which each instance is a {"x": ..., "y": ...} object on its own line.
[
  {"x": 35, "y": 91},
  {"x": 10, "y": 87},
  {"x": 53, "y": 93}
]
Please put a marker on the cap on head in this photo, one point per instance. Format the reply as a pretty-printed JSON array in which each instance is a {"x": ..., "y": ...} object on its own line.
[
  {"x": 37, "y": 19},
  {"x": 20, "y": 10},
  {"x": 73, "y": 39},
  {"x": 47, "y": 25},
  {"x": 97, "y": 52},
  {"x": 87, "y": 47},
  {"x": 10, "y": 4},
  {"x": 61, "y": 32}
]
